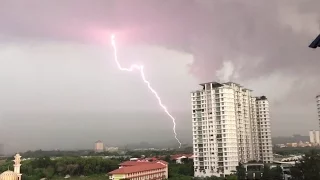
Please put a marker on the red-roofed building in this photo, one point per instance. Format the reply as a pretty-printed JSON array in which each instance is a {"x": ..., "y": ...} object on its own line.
[{"x": 141, "y": 170}]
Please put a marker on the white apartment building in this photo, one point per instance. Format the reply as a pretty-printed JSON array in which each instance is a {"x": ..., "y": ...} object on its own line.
[
  {"x": 314, "y": 137},
  {"x": 264, "y": 129},
  {"x": 229, "y": 126},
  {"x": 318, "y": 106}
]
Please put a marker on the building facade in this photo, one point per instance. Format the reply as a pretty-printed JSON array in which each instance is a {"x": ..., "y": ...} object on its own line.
[
  {"x": 229, "y": 126},
  {"x": 314, "y": 137},
  {"x": 138, "y": 170},
  {"x": 98, "y": 146},
  {"x": 318, "y": 107},
  {"x": 264, "y": 129}
]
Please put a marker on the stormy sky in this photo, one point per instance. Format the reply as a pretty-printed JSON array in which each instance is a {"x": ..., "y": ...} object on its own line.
[{"x": 60, "y": 87}]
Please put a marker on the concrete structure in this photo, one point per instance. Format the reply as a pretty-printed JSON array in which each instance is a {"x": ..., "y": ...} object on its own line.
[
  {"x": 229, "y": 126},
  {"x": 318, "y": 107},
  {"x": 137, "y": 170},
  {"x": 254, "y": 171},
  {"x": 13, "y": 175},
  {"x": 264, "y": 129},
  {"x": 98, "y": 146},
  {"x": 314, "y": 137}
]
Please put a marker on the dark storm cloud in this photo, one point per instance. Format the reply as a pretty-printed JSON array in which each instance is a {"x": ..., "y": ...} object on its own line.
[{"x": 258, "y": 36}]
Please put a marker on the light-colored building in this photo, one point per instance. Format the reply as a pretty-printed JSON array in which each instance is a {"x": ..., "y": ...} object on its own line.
[
  {"x": 314, "y": 137},
  {"x": 138, "y": 170},
  {"x": 229, "y": 126},
  {"x": 98, "y": 146},
  {"x": 15, "y": 174},
  {"x": 318, "y": 107},
  {"x": 112, "y": 149},
  {"x": 264, "y": 129}
]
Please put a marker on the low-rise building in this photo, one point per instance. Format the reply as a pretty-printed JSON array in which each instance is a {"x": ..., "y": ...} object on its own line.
[
  {"x": 254, "y": 171},
  {"x": 138, "y": 170},
  {"x": 179, "y": 158}
]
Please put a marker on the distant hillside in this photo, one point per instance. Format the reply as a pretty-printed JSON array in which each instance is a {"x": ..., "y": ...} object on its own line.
[{"x": 289, "y": 139}]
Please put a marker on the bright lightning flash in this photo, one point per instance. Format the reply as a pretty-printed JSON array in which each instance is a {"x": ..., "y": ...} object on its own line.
[{"x": 140, "y": 69}]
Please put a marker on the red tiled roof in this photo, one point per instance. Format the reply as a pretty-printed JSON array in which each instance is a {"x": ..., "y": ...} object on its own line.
[
  {"x": 138, "y": 168},
  {"x": 134, "y": 163}
]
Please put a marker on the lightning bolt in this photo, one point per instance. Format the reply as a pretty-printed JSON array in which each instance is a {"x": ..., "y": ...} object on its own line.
[{"x": 140, "y": 69}]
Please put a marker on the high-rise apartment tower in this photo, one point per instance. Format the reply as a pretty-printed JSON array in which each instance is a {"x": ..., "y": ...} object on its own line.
[
  {"x": 229, "y": 126},
  {"x": 318, "y": 107},
  {"x": 98, "y": 146}
]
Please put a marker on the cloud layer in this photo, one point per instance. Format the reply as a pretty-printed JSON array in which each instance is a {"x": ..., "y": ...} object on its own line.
[{"x": 258, "y": 37}]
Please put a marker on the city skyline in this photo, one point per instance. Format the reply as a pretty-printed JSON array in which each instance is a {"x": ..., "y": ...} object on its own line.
[{"x": 60, "y": 87}]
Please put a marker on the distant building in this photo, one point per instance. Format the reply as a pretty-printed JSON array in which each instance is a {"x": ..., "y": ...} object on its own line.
[
  {"x": 135, "y": 170},
  {"x": 292, "y": 144},
  {"x": 98, "y": 146},
  {"x": 1, "y": 150},
  {"x": 318, "y": 107},
  {"x": 112, "y": 149},
  {"x": 314, "y": 137}
]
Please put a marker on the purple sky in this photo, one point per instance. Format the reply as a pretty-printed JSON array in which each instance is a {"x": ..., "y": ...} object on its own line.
[{"x": 55, "y": 59}]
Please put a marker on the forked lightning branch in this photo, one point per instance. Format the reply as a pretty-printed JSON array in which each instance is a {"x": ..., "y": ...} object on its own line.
[{"x": 143, "y": 77}]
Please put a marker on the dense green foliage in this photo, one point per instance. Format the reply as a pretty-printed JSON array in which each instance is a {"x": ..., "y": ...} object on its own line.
[
  {"x": 294, "y": 150},
  {"x": 73, "y": 166},
  {"x": 276, "y": 173},
  {"x": 96, "y": 167},
  {"x": 266, "y": 173},
  {"x": 308, "y": 167},
  {"x": 241, "y": 171}
]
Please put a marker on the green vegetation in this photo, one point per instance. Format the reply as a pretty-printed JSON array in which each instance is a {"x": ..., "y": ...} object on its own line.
[
  {"x": 308, "y": 167},
  {"x": 73, "y": 166},
  {"x": 96, "y": 167},
  {"x": 92, "y": 177},
  {"x": 180, "y": 171},
  {"x": 294, "y": 150}
]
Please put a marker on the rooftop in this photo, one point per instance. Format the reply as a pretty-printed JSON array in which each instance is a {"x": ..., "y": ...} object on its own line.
[
  {"x": 217, "y": 84},
  {"x": 138, "y": 168},
  {"x": 213, "y": 82},
  {"x": 262, "y": 98},
  {"x": 138, "y": 163}
]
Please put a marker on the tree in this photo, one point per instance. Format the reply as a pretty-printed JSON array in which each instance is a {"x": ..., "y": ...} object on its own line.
[
  {"x": 232, "y": 177},
  {"x": 241, "y": 171},
  {"x": 167, "y": 158},
  {"x": 49, "y": 172},
  {"x": 308, "y": 167},
  {"x": 266, "y": 173},
  {"x": 276, "y": 173}
]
